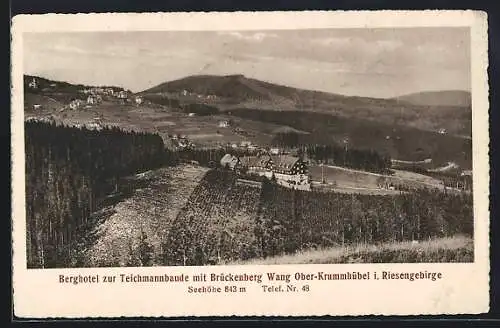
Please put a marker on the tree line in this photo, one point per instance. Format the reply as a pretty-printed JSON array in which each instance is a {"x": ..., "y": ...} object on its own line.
[
  {"x": 359, "y": 159},
  {"x": 292, "y": 220},
  {"x": 334, "y": 153},
  {"x": 68, "y": 171}
]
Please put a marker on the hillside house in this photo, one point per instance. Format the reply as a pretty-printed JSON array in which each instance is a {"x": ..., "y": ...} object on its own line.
[
  {"x": 252, "y": 148},
  {"x": 93, "y": 126},
  {"x": 122, "y": 94},
  {"x": 274, "y": 151},
  {"x": 223, "y": 124},
  {"x": 33, "y": 84},
  {"x": 466, "y": 173},
  {"x": 245, "y": 143},
  {"x": 37, "y": 106},
  {"x": 93, "y": 99},
  {"x": 442, "y": 131},
  {"x": 467, "y": 182},
  {"x": 230, "y": 161},
  {"x": 75, "y": 104},
  {"x": 138, "y": 100}
]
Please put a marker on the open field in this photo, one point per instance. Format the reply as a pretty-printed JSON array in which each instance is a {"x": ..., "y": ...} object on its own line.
[
  {"x": 452, "y": 249},
  {"x": 332, "y": 187},
  {"x": 348, "y": 180}
]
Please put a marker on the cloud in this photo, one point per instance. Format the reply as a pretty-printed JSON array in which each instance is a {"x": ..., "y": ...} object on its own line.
[
  {"x": 360, "y": 44},
  {"x": 389, "y": 44},
  {"x": 252, "y": 37},
  {"x": 328, "y": 42},
  {"x": 69, "y": 49}
]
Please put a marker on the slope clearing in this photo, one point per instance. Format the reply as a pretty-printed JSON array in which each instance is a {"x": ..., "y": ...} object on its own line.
[{"x": 148, "y": 212}]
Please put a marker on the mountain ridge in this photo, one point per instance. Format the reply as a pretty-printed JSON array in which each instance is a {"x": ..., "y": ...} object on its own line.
[
  {"x": 237, "y": 91},
  {"x": 460, "y": 98}
]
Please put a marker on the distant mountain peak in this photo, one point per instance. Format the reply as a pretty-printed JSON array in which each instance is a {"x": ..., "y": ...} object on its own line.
[{"x": 458, "y": 98}]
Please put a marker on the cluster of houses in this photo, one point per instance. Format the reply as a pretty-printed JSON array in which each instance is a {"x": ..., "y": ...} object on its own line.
[
  {"x": 100, "y": 91},
  {"x": 94, "y": 99},
  {"x": 250, "y": 147},
  {"x": 245, "y": 145},
  {"x": 287, "y": 170},
  {"x": 35, "y": 85},
  {"x": 97, "y": 92},
  {"x": 181, "y": 142}
]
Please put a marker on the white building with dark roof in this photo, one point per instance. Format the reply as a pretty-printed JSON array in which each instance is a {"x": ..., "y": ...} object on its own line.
[
  {"x": 289, "y": 171},
  {"x": 229, "y": 161}
]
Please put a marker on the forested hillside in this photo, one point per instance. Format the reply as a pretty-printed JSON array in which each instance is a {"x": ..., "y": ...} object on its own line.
[
  {"x": 399, "y": 142},
  {"x": 68, "y": 170}
]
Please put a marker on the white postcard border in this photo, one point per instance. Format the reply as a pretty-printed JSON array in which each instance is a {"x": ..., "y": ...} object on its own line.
[{"x": 463, "y": 290}]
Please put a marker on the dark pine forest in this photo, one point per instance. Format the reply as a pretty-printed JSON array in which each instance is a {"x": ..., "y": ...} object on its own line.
[{"x": 68, "y": 171}]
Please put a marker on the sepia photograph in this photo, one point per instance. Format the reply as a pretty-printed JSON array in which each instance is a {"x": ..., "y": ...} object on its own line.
[
  {"x": 254, "y": 159},
  {"x": 261, "y": 147}
]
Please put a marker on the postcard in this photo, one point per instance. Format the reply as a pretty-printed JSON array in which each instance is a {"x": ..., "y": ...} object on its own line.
[{"x": 250, "y": 164}]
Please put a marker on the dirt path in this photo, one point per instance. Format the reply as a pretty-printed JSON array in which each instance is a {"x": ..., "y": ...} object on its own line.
[{"x": 148, "y": 213}]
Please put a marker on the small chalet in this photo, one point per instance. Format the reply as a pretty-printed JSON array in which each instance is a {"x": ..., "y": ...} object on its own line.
[
  {"x": 466, "y": 173},
  {"x": 274, "y": 151},
  {"x": 75, "y": 104},
  {"x": 138, "y": 100},
  {"x": 122, "y": 94},
  {"x": 245, "y": 143},
  {"x": 33, "y": 84},
  {"x": 229, "y": 161},
  {"x": 223, "y": 124},
  {"x": 93, "y": 99}
]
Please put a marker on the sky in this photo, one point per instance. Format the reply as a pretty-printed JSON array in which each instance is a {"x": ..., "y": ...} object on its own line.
[{"x": 380, "y": 63}]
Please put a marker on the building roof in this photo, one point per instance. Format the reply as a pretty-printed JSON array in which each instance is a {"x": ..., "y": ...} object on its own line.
[
  {"x": 467, "y": 173},
  {"x": 284, "y": 162},
  {"x": 256, "y": 161}
]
